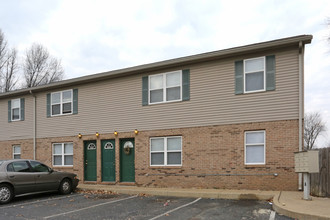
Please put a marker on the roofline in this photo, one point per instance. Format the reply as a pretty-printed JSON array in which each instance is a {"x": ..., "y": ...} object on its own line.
[{"x": 241, "y": 50}]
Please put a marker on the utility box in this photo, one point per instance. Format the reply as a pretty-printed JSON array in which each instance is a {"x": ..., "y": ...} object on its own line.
[{"x": 307, "y": 161}]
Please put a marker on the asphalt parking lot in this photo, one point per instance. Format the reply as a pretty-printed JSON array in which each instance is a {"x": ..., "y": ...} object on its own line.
[{"x": 114, "y": 206}]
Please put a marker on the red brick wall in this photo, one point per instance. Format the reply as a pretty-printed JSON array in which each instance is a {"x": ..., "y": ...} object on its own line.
[{"x": 212, "y": 157}]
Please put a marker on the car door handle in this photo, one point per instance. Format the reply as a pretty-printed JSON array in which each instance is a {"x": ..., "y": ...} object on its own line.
[
  {"x": 11, "y": 176},
  {"x": 38, "y": 175}
]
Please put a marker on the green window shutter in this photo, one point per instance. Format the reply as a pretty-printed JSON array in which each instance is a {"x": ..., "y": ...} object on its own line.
[
  {"x": 48, "y": 105},
  {"x": 22, "y": 108},
  {"x": 239, "y": 86},
  {"x": 145, "y": 90},
  {"x": 9, "y": 111},
  {"x": 185, "y": 85},
  {"x": 75, "y": 101},
  {"x": 270, "y": 72}
]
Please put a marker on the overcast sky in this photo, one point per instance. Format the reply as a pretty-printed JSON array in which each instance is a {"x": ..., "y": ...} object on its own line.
[{"x": 96, "y": 36}]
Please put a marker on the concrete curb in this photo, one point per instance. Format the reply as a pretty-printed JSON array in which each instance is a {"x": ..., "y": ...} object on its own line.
[{"x": 282, "y": 209}]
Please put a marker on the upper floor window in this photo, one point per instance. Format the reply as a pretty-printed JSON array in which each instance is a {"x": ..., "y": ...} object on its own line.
[
  {"x": 165, "y": 87},
  {"x": 16, "y": 109},
  {"x": 61, "y": 102},
  {"x": 17, "y": 152},
  {"x": 254, "y": 75}
]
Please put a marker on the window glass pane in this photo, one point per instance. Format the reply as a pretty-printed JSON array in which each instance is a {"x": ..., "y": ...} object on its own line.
[
  {"x": 157, "y": 159},
  {"x": 56, "y": 98},
  {"x": 174, "y": 143},
  {"x": 15, "y": 103},
  {"x": 21, "y": 166},
  {"x": 15, "y": 115},
  {"x": 68, "y": 160},
  {"x": 57, "y": 148},
  {"x": 254, "y": 65},
  {"x": 56, "y": 109},
  {"x": 255, "y": 154},
  {"x": 68, "y": 148},
  {"x": 156, "y": 82},
  {"x": 174, "y": 158},
  {"x": 157, "y": 144},
  {"x": 254, "y": 81},
  {"x": 173, "y": 79},
  {"x": 255, "y": 138},
  {"x": 173, "y": 94},
  {"x": 39, "y": 167},
  {"x": 156, "y": 96},
  {"x": 66, "y": 96},
  {"x": 66, "y": 108},
  {"x": 17, "y": 156},
  {"x": 57, "y": 160},
  {"x": 17, "y": 149},
  {"x": 10, "y": 168}
]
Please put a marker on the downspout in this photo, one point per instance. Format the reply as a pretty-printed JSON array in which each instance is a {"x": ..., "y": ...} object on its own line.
[
  {"x": 301, "y": 104},
  {"x": 34, "y": 124}
]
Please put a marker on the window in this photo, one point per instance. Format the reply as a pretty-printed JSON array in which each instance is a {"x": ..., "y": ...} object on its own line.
[
  {"x": 254, "y": 75},
  {"x": 61, "y": 103},
  {"x": 39, "y": 167},
  {"x": 63, "y": 154},
  {"x": 19, "y": 166},
  {"x": 17, "y": 152},
  {"x": 165, "y": 151},
  {"x": 15, "y": 109},
  {"x": 255, "y": 147},
  {"x": 165, "y": 87}
]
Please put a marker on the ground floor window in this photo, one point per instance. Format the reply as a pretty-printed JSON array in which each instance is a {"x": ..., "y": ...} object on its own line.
[
  {"x": 255, "y": 147},
  {"x": 63, "y": 154},
  {"x": 17, "y": 152},
  {"x": 166, "y": 151}
]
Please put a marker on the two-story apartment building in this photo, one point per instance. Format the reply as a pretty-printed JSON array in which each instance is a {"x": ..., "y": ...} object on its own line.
[{"x": 228, "y": 119}]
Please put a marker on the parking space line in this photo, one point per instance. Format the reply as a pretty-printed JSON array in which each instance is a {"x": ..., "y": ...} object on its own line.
[
  {"x": 49, "y": 199},
  {"x": 272, "y": 215},
  {"x": 89, "y": 207},
  {"x": 173, "y": 210}
]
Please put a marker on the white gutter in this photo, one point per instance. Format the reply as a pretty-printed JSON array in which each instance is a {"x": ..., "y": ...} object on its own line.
[
  {"x": 301, "y": 104},
  {"x": 34, "y": 124}
]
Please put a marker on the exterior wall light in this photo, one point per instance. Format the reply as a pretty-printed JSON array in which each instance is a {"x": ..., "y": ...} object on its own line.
[
  {"x": 136, "y": 131},
  {"x": 79, "y": 135},
  {"x": 97, "y": 134},
  {"x": 115, "y": 133}
]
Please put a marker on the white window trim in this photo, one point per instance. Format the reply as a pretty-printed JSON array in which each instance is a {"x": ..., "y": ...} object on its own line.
[
  {"x": 264, "y": 70},
  {"x": 264, "y": 144},
  {"x": 61, "y": 103},
  {"x": 62, "y": 154},
  {"x": 164, "y": 87},
  {"x": 14, "y": 146},
  {"x": 19, "y": 110},
  {"x": 165, "y": 152}
]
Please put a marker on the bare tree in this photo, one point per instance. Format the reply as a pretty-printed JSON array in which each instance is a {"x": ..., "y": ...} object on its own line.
[
  {"x": 40, "y": 68},
  {"x": 314, "y": 126},
  {"x": 8, "y": 65},
  {"x": 9, "y": 71}
]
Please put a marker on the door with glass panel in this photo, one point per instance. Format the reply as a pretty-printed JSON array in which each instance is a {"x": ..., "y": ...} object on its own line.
[{"x": 90, "y": 160}]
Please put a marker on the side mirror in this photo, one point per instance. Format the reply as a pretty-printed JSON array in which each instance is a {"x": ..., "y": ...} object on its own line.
[{"x": 51, "y": 170}]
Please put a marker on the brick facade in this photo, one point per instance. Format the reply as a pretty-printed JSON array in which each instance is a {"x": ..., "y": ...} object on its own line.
[{"x": 212, "y": 157}]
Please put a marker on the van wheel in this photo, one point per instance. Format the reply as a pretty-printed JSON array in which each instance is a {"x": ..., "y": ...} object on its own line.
[
  {"x": 65, "y": 186},
  {"x": 6, "y": 193}
]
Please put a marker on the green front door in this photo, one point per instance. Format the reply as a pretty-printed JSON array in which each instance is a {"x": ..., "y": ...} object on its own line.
[
  {"x": 108, "y": 160},
  {"x": 127, "y": 167},
  {"x": 90, "y": 160}
]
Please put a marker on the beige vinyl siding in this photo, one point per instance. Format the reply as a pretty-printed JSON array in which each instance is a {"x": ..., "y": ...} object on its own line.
[
  {"x": 16, "y": 129},
  {"x": 116, "y": 104}
]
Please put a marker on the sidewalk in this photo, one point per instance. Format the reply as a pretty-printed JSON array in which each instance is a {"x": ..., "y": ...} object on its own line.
[{"x": 286, "y": 203}]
